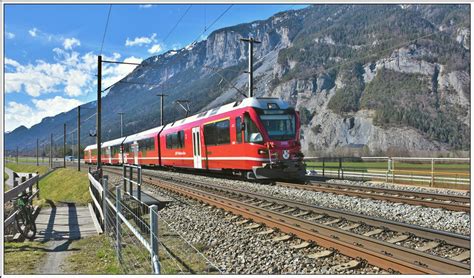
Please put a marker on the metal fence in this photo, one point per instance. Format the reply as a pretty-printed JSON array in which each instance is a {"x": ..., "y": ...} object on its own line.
[
  {"x": 133, "y": 228},
  {"x": 436, "y": 172}
]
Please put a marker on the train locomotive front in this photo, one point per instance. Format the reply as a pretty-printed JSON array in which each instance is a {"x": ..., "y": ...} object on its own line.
[{"x": 278, "y": 135}]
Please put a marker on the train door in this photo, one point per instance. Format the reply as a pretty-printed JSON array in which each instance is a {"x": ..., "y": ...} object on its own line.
[
  {"x": 121, "y": 161},
  {"x": 197, "y": 147},
  {"x": 109, "y": 153},
  {"x": 135, "y": 152}
]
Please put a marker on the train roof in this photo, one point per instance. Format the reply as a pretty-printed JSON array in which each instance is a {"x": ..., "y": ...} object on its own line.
[{"x": 255, "y": 102}]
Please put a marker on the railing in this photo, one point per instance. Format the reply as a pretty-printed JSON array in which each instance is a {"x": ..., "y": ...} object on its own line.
[
  {"x": 128, "y": 179},
  {"x": 124, "y": 224},
  {"x": 15, "y": 191},
  {"x": 436, "y": 172}
]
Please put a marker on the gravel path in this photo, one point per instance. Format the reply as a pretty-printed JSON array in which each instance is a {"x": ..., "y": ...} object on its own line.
[
  {"x": 404, "y": 187},
  {"x": 439, "y": 219}
]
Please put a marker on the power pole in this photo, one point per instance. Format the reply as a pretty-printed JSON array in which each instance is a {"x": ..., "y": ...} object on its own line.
[
  {"x": 64, "y": 147},
  {"x": 51, "y": 152},
  {"x": 121, "y": 123},
  {"x": 98, "y": 117},
  {"x": 37, "y": 152},
  {"x": 79, "y": 138},
  {"x": 16, "y": 154},
  {"x": 162, "y": 103},
  {"x": 251, "y": 41}
]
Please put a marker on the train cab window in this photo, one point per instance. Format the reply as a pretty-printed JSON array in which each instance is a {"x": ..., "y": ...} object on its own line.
[
  {"x": 238, "y": 129},
  {"x": 217, "y": 133},
  {"x": 252, "y": 134}
]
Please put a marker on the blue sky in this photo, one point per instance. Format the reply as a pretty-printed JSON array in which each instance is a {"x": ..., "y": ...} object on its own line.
[{"x": 51, "y": 50}]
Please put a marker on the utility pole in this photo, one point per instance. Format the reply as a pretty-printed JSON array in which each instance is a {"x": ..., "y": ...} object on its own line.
[
  {"x": 16, "y": 154},
  {"x": 162, "y": 103},
  {"x": 51, "y": 152},
  {"x": 121, "y": 123},
  {"x": 37, "y": 152},
  {"x": 98, "y": 117},
  {"x": 251, "y": 41},
  {"x": 79, "y": 138},
  {"x": 64, "y": 147}
]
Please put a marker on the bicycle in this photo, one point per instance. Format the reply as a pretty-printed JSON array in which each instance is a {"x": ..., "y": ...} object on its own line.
[{"x": 24, "y": 220}]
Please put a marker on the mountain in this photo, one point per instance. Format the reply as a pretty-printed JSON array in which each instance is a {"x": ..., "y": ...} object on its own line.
[{"x": 367, "y": 79}]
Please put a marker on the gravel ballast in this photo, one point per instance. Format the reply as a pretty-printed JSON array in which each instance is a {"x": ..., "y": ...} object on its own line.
[
  {"x": 434, "y": 218},
  {"x": 235, "y": 249},
  {"x": 404, "y": 187}
]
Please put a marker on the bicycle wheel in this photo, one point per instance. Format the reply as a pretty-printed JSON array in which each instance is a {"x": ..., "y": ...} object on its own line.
[{"x": 25, "y": 224}]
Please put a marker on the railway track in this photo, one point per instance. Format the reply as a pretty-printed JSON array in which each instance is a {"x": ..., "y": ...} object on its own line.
[
  {"x": 400, "y": 247},
  {"x": 449, "y": 202}
]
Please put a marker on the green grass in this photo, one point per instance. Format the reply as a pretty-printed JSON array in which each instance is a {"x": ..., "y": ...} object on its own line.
[
  {"x": 24, "y": 257},
  {"x": 95, "y": 256},
  {"x": 27, "y": 168},
  {"x": 65, "y": 185}
]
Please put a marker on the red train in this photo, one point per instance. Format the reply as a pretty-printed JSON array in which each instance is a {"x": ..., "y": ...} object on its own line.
[{"x": 255, "y": 137}]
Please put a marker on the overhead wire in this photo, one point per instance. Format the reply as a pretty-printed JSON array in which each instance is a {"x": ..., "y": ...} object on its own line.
[
  {"x": 177, "y": 23},
  {"x": 105, "y": 30},
  {"x": 214, "y": 22}
]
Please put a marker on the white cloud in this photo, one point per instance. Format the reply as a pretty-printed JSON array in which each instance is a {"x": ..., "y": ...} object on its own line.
[
  {"x": 145, "y": 6},
  {"x": 70, "y": 72},
  {"x": 69, "y": 43},
  {"x": 113, "y": 73},
  {"x": 139, "y": 41},
  {"x": 17, "y": 114},
  {"x": 33, "y": 32},
  {"x": 155, "y": 49},
  {"x": 9, "y": 35},
  {"x": 70, "y": 75}
]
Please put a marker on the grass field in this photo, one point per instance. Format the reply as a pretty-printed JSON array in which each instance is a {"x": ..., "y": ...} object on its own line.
[
  {"x": 65, "y": 185},
  {"x": 27, "y": 168},
  {"x": 95, "y": 256},
  {"x": 23, "y": 257}
]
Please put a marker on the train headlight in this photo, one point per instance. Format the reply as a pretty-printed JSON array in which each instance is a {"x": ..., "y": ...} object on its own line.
[{"x": 262, "y": 151}]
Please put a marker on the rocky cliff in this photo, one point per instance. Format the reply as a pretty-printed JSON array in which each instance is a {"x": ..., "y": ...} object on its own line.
[{"x": 365, "y": 78}]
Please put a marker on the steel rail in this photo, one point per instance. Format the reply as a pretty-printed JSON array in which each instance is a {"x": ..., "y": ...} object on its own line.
[
  {"x": 392, "y": 196},
  {"x": 376, "y": 252},
  {"x": 431, "y": 234},
  {"x": 436, "y": 196}
]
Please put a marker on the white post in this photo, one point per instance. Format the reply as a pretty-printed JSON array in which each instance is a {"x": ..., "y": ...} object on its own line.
[
  {"x": 154, "y": 238},
  {"x": 117, "y": 222},
  {"x": 105, "y": 184}
]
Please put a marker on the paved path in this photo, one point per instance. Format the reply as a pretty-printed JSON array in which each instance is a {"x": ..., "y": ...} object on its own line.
[
  {"x": 9, "y": 182},
  {"x": 58, "y": 227}
]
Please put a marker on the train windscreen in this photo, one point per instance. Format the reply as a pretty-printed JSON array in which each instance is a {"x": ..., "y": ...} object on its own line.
[{"x": 279, "y": 126}]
